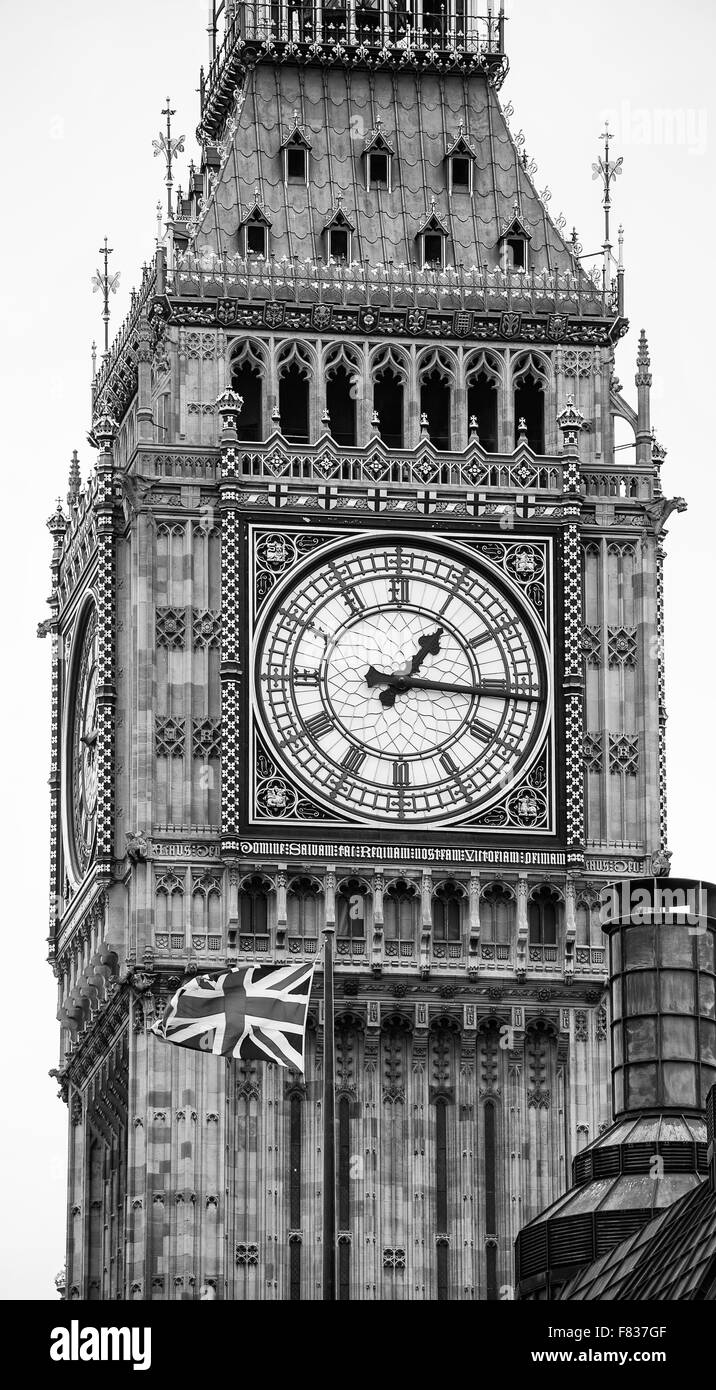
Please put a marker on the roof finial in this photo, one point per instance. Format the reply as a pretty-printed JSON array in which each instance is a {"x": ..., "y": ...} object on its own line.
[
  {"x": 432, "y": 204},
  {"x": 168, "y": 147},
  {"x": 607, "y": 170},
  {"x": 107, "y": 284},
  {"x": 94, "y": 359},
  {"x": 295, "y": 118}
]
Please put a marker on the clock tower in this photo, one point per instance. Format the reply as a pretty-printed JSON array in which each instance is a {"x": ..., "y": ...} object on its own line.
[{"x": 357, "y": 621}]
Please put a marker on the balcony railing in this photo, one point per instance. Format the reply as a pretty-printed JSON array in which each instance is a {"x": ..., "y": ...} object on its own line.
[
  {"x": 208, "y": 276},
  {"x": 377, "y": 465},
  {"x": 405, "y": 31}
]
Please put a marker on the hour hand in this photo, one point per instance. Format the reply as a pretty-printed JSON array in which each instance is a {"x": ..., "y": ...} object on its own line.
[
  {"x": 375, "y": 677},
  {"x": 429, "y": 645}
]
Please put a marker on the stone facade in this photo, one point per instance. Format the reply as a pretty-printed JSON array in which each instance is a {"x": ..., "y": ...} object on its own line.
[{"x": 471, "y": 1038}]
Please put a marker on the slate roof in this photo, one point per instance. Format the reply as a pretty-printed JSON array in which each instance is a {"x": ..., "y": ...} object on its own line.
[
  {"x": 421, "y": 114},
  {"x": 672, "y": 1257}
]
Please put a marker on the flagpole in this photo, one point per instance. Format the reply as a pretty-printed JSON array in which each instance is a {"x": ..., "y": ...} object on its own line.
[{"x": 329, "y": 1122}]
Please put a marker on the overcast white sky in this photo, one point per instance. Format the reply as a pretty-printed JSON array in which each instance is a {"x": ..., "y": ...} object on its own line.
[{"x": 82, "y": 85}]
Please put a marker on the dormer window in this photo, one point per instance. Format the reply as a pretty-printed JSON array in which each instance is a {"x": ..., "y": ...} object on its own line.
[
  {"x": 377, "y": 169},
  {"x": 339, "y": 244},
  {"x": 514, "y": 244},
  {"x": 433, "y": 245},
  {"x": 338, "y": 232},
  {"x": 256, "y": 240},
  {"x": 432, "y": 241},
  {"x": 255, "y": 230},
  {"x": 296, "y": 166},
  {"x": 378, "y": 159},
  {"x": 517, "y": 253},
  {"x": 460, "y": 159},
  {"x": 296, "y": 149}
]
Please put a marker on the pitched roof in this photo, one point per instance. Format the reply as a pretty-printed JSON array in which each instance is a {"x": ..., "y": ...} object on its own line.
[{"x": 336, "y": 110}]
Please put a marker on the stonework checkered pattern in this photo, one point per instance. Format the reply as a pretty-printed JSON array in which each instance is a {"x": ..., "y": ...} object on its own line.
[
  {"x": 661, "y": 680},
  {"x": 230, "y": 627},
  {"x": 574, "y": 703},
  {"x": 106, "y": 656}
]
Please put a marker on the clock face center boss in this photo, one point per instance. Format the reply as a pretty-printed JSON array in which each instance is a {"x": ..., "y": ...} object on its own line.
[{"x": 401, "y": 681}]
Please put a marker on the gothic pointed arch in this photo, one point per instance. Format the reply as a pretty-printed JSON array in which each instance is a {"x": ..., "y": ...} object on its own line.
[{"x": 296, "y": 372}]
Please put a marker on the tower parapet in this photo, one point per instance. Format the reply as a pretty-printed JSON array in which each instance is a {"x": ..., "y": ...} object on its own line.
[{"x": 420, "y": 34}]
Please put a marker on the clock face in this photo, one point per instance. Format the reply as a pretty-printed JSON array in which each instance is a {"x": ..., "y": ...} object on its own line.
[
  {"x": 82, "y": 748},
  {"x": 401, "y": 682}
]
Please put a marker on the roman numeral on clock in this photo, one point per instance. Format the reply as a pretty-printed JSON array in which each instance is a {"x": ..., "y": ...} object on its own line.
[
  {"x": 401, "y": 774},
  {"x": 399, "y": 590},
  {"x": 354, "y": 759},
  {"x": 305, "y": 677},
  {"x": 449, "y": 764},
  {"x": 480, "y": 730},
  {"x": 319, "y": 725}
]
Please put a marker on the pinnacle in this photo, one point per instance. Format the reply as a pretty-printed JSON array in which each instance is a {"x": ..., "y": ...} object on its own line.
[{"x": 75, "y": 481}]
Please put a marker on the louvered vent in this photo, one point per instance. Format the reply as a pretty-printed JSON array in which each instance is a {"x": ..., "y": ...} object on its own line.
[
  {"x": 532, "y": 1252},
  {"x": 605, "y": 1163},
  {"x": 570, "y": 1241},
  {"x": 582, "y": 1169},
  {"x": 612, "y": 1227}
]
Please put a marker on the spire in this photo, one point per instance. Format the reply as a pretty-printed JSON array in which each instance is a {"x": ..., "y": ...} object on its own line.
[
  {"x": 107, "y": 284},
  {"x": 168, "y": 147},
  {"x": 643, "y": 383},
  {"x": 608, "y": 170},
  {"x": 75, "y": 482}
]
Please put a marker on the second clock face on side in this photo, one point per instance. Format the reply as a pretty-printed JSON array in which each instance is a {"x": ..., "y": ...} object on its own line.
[
  {"x": 82, "y": 748},
  {"x": 401, "y": 683}
]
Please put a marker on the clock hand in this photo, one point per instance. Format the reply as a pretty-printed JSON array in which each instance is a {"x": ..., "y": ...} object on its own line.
[
  {"x": 399, "y": 685},
  {"x": 429, "y": 645}
]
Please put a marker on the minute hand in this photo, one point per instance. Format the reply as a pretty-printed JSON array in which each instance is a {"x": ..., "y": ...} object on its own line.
[{"x": 398, "y": 684}]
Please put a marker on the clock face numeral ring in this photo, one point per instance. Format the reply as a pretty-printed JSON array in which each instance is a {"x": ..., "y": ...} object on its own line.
[
  {"x": 401, "y": 681},
  {"x": 81, "y": 746}
]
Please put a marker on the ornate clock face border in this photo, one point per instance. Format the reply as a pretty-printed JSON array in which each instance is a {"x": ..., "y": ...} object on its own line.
[
  {"x": 80, "y": 765},
  {"x": 529, "y": 806}
]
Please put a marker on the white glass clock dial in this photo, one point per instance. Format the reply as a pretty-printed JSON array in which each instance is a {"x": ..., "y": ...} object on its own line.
[
  {"x": 400, "y": 682},
  {"x": 82, "y": 748}
]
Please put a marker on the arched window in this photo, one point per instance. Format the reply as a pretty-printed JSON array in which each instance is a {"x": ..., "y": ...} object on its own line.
[
  {"x": 246, "y": 380},
  {"x": 435, "y": 402},
  {"x": 490, "y": 1162},
  {"x": 206, "y": 915},
  {"x": 294, "y": 374},
  {"x": 482, "y": 402},
  {"x": 447, "y": 913},
  {"x": 169, "y": 918},
  {"x": 530, "y": 387},
  {"x": 254, "y": 913},
  {"x": 497, "y": 911},
  {"x": 542, "y": 916},
  {"x": 334, "y": 21},
  {"x": 400, "y": 15},
  {"x": 435, "y": 22},
  {"x": 400, "y": 916},
  {"x": 302, "y": 908},
  {"x": 342, "y": 376},
  {"x": 351, "y": 916},
  {"x": 368, "y": 22},
  {"x": 389, "y": 377}
]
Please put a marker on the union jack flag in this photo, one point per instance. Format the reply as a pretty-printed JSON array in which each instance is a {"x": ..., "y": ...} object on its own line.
[{"x": 250, "y": 1011}]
